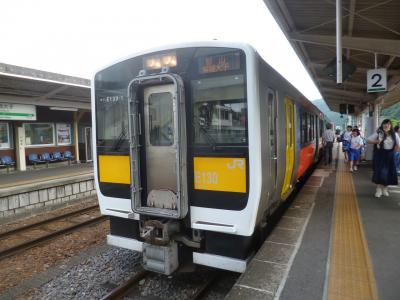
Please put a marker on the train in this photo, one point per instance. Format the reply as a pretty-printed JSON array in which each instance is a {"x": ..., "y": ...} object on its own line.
[{"x": 196, "y": 146}]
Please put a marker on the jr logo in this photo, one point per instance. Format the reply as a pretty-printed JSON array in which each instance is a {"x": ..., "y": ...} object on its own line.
[{"x": 237, "y": 163}]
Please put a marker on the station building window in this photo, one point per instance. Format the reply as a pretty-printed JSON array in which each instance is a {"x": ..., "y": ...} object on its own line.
[
  {"x": 39, "y": 134},
  {"x": 5, "y": 141}
]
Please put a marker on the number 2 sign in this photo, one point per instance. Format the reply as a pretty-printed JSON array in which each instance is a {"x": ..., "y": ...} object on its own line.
[{"x": 376, "y": 80}]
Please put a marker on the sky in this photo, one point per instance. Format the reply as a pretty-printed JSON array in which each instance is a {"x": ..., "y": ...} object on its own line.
[{"x": 78, "y": 37}]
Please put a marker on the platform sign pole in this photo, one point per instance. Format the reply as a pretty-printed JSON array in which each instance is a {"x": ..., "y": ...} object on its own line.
[{"x": 339, "y": 77}]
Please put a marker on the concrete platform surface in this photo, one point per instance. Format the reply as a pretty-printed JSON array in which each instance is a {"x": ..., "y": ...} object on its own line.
[
  {"x": 301, "y": 260},
  {"x": 19, "y": 178}
]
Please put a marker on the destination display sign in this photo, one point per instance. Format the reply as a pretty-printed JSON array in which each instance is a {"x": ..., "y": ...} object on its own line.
[{"x": 219, "y": 63}]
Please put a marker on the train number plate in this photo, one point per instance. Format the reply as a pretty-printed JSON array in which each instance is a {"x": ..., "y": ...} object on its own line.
[{"x": 220, "y": 174}]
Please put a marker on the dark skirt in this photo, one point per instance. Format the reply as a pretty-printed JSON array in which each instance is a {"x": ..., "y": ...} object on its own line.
[{"x": 384, "y": 167}]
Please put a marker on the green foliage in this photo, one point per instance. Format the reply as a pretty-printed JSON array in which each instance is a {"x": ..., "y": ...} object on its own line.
[
  {"x": 392, "y": 113},
  {"x": 332, "y": 116}
]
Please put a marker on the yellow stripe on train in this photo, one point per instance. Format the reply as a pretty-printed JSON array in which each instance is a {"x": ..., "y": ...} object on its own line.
[
  {"x": 220, "y": 174},
  {"x": 114, "y": 169}
]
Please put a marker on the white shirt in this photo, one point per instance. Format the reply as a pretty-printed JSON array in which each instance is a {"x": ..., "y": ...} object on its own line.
[
  {"x": 347, "y": 136},
  {"x": 388, "y": 143},
  {"x": 356, "y": 142},
  {"x": 328, "y": 136}
]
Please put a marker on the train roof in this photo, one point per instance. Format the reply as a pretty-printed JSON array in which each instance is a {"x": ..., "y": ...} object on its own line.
[{"x": 249, "y": 49}]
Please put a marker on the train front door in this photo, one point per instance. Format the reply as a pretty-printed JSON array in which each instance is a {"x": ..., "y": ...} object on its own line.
[
  {"x": 157, "y": 138},
  {"x": 161, "y": 150}
]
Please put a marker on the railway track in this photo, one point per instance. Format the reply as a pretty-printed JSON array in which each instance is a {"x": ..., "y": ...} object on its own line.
[
  {"x": 20, "y": 240},
  {"x": 123, "y": 289},
  {"x": 127, "y": 289}
]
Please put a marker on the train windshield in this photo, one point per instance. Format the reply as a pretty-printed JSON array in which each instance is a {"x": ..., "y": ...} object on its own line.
[
  {"x": 112, "y": 119},
  {"x": 219, "y": 110}
]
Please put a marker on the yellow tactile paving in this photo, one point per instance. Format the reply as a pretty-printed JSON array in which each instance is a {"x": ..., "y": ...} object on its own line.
[{"x": 350, "y": 274}]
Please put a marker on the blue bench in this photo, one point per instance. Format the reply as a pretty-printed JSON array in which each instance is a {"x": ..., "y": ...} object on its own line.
[
  {"x": 47, "y": 158},
  {"x": 58, "y": 156},
  {"x": 34, "y": 159},
  {"x": 68, "y": 155},
  {"x": 6, "y": 161}
]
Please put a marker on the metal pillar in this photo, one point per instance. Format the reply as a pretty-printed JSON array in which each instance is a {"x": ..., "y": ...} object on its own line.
[
  {"x": 339, "y": 77},
  {"x": 377, "y": 112},
  {"x": 76, "y": 138}
]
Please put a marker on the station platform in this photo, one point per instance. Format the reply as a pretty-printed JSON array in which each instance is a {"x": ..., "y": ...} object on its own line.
[
  {"x": 336, "y": 241},
  {"x": 30, "y": 192},
  {"x": 44, "y": 174}
]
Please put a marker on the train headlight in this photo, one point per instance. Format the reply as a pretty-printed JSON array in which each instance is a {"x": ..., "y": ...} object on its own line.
[{"x": 160, "y": 61}]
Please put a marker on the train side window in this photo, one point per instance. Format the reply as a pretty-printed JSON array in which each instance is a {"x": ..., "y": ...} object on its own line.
[
  {"x": 312, "y": 128},
  {"x": 321, "y": 124},
  {"x": 304, "y": 129}
]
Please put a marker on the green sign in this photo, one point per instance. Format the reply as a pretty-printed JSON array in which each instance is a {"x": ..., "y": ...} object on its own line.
[{"x": 11, "y": 111}]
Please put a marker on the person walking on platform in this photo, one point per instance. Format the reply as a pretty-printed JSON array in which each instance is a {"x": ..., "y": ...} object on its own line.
[
  {"x": 328, "y": 137},
  {"x": 356, "y": 143},
  {"x": 385, "y": 141},
  {"x": 346, "y": 142},
  {"x": 397, "y": 153}
]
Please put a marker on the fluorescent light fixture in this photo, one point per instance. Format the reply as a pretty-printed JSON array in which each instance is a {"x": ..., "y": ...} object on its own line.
[{"x": 64, "y": 108}]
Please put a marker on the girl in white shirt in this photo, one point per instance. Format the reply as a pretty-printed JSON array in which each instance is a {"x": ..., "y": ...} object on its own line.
[
  {"x": 386, "y": 141},
  {"x": 356, "y": 143}
]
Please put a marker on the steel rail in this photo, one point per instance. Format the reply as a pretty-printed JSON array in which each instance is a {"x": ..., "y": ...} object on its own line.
[
  {"x": 123, "y": 289},
  {"x": 32, "y": 243},
  {"x": 30, "y": 226},
  {"x": 205, "y": 287}
]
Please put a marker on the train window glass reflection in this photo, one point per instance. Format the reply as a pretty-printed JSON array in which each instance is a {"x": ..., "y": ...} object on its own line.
[
  {"x": 220, "y": 110},
  {"x": 161, "y": 123},
  {"x": 112, "y": 116},
  {"x": 304, "y": 131}
]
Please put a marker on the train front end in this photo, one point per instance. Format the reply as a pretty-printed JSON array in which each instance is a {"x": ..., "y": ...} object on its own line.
[{"x": 172, "y": 148}]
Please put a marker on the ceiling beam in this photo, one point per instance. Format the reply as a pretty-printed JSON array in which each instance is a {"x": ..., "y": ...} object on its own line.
[
  {"x": 46, "y": 102},
  {"x": 52, "y": 93},
  {"x": 380, "y": 46},
  {"x": 358, "y": 70},
  {"x": 343, "y": 97},
  {"x": 344, "y": 92},
  {"x": 357, "y": 85},
  {"x": 389, "y": 62},
  {"x": 333, "y": 20}
]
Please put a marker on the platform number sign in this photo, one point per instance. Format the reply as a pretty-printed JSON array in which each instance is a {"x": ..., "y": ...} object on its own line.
[{"x": 376, "y": 80}]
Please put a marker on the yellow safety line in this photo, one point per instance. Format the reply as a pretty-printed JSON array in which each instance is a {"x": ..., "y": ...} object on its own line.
[
  {"x": 350, "y": 275},
  {"x": 16, "y": 183}
]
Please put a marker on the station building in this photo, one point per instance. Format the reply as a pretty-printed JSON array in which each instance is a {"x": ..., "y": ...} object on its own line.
[{"x": 43, "y": 112}]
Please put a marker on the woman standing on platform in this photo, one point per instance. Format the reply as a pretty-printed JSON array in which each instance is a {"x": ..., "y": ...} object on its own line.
[
  {"x": 386, "y": 141},
  {"x": 356, "y": 143},
  {"x": 397, "y": 154}
]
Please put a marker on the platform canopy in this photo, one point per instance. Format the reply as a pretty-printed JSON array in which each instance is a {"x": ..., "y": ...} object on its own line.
[
  {"x": 29, "y": 86},
  {"x": 368, "y": 27}
]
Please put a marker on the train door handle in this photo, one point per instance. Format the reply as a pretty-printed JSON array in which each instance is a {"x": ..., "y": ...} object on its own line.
[{"x": 275, "y": 157}]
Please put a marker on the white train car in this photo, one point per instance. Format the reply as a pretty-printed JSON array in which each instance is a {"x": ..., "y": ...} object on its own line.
[{"x": 196, "y": 145}]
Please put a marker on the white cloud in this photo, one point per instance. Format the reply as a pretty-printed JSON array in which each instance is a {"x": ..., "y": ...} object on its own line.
[{"x": 77, "y": 37}]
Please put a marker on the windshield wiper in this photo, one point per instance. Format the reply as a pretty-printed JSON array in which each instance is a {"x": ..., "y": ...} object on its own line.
[
  {"x": 210, "y": 141},
  {"x": 121, "y": 138}
]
